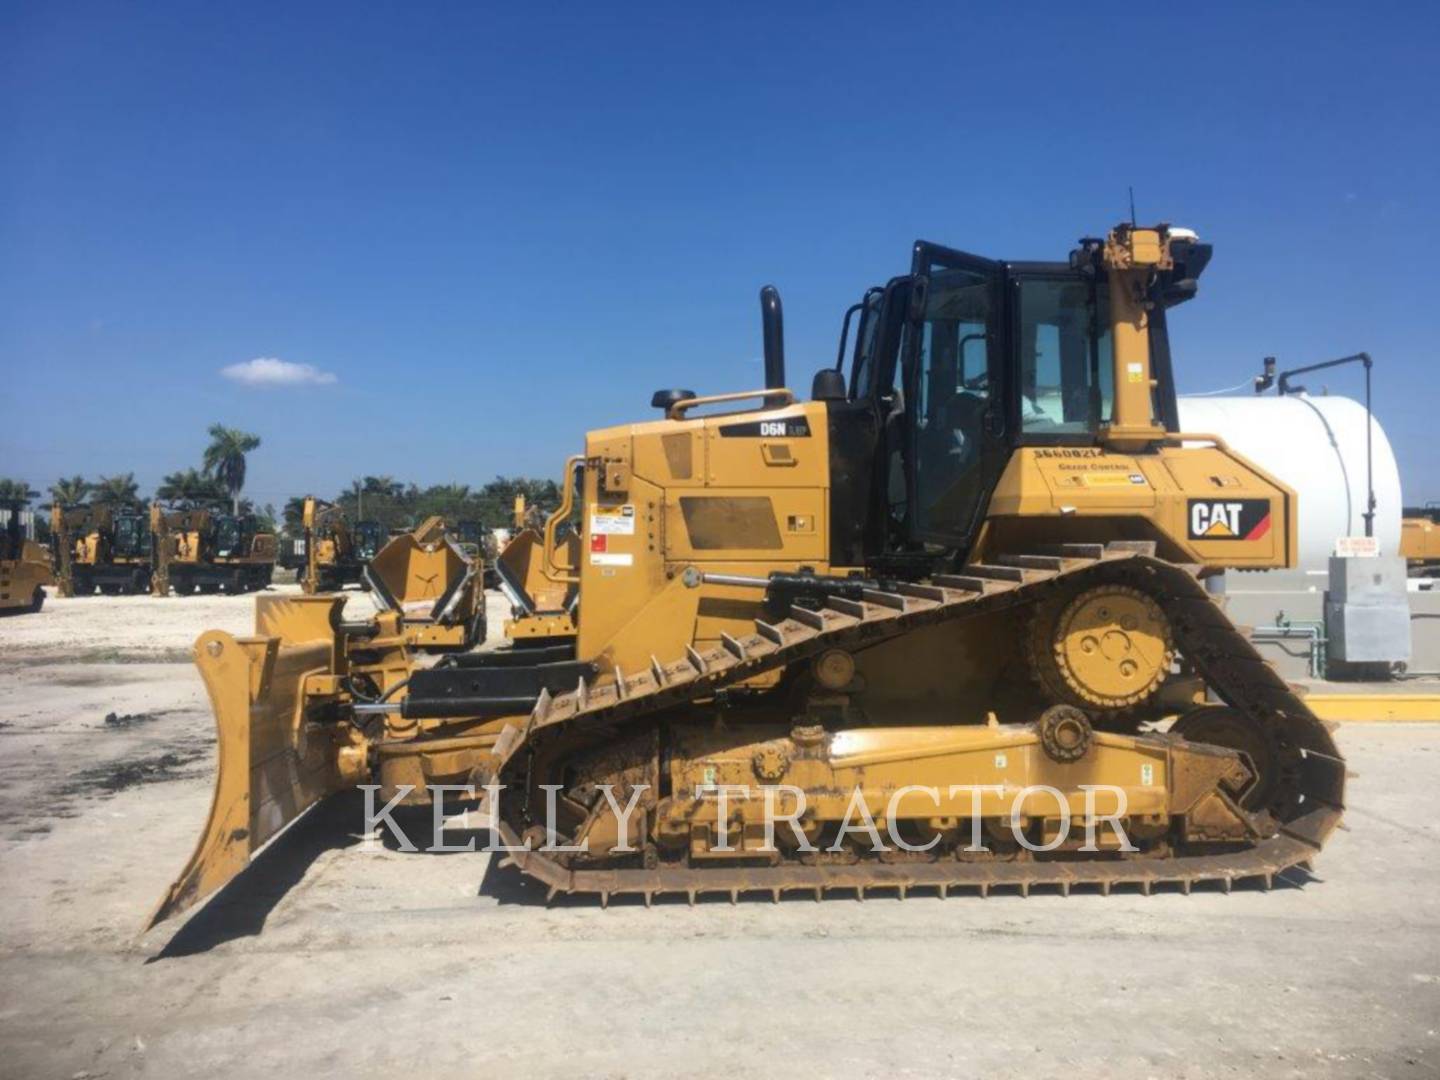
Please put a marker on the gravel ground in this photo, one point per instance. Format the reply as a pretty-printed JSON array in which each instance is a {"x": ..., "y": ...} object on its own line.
[{"x": 331, "y": 956}]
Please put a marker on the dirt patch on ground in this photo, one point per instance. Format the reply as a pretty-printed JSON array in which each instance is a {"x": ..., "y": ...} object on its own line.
[
  {"x": 48, "y": 656},
  {"x": 122, "y": 721},
  {"x": 130, "y": 772}
]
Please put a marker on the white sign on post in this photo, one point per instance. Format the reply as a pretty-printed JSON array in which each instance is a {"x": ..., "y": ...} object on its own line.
[{"x": 1356, "y": 547}]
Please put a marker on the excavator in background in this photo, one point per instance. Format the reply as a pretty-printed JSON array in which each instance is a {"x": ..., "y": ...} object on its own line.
[
  {"x": 24, "y": 567},
  {"x": 1420, "y": 539},
  {"x": 210, "y": 551},
  {"x": 478, "y": 543},
  {"x": 960, "y": 593},
  {"x": 432, "y": 586},
  {"x": 102, "y": 548},
  {"x": 335, "y": 553}
]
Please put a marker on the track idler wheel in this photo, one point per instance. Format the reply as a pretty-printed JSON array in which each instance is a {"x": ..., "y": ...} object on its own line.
[
  {"x": 1105, "y": 649},
  {"x": 1274, "y": 762},
  {"x": 1065, "y": 733}
]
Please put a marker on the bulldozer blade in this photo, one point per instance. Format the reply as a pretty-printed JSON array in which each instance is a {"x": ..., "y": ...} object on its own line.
[{"x": 273, "y": 763}]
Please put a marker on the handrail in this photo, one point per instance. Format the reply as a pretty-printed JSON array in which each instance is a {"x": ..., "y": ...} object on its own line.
[
  {"x": 776, "y": 398},
  {"x": 551, "y": 567},
  {"x": 1178, "y": 437}
]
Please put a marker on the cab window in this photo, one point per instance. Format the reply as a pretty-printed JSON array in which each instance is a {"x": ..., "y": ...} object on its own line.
[
  {"x": 952, "y": 389},
  {"x": 1066, "y": 372}
]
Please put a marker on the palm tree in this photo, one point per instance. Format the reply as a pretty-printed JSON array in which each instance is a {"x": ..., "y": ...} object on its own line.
[
  {"x": 294, "y": 514},
  {"x": 225, "y": 458},
  {"x": 382, "y": 485},
  {"x": 69, "y": 491},
  {"x": 120, "y": 492},
  {"x": 17, "y": 493},
  {"x": 189, "y": 488}
]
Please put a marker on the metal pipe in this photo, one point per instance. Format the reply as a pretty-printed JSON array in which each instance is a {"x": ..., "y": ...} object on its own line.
[
  {"x": 772, "y": 323},
  {"x": 1369, "y": 457},
  {"x": 1312, "y": 632},
  {"x": 1284, "y": 387}
]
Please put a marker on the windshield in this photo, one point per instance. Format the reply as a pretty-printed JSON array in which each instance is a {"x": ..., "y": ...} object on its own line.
[
  {"x": 1066, "y": 372},
  {"x": 129, "y": 535},
  {"x": 228, "y": 537},
  {"x": 369, "y": 535}
]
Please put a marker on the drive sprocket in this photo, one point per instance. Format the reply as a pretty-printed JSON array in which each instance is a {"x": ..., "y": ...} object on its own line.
[{"x": 1106, "y": 648}]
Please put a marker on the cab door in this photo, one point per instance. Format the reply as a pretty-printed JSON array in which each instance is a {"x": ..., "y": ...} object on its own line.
[{"x": 953, "y": 359}]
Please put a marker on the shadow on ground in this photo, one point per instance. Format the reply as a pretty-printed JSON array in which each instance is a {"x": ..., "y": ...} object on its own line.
[{"x": 240, "y": 908}]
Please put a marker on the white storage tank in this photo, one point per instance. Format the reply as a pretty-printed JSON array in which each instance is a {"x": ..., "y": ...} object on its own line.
[{"x": 1316, "y": 445}]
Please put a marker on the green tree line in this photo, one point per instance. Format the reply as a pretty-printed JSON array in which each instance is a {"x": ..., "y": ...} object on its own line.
[
  {"x": 399, "y": 505},
  {"x": 216, "y": 485}
]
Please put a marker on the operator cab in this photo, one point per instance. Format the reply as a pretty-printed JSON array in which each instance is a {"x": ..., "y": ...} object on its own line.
[
  {"x": 369, "y": 539},
  {"x": 470, "y": 535},
  {"x": 953, "y": 366},
  {"x": 132, "y": 536},
  {"x": 233, "y": 536},
  {"x": 12, "y": 536}
]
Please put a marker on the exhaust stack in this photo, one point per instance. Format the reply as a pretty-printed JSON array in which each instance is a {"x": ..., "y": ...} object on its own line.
[{"x": 772, "y": 321}]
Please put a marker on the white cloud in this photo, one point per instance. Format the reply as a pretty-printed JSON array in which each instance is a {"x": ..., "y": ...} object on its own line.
[{"x": 270, "y": 371}]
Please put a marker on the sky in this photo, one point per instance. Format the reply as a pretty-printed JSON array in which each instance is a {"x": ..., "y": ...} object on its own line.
[{"x": 440, "y": 241}]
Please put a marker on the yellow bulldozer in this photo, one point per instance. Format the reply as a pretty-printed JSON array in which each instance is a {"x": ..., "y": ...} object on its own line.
[
  {"x": 945, "y": 626},
  {"x": 210, "y": 551},
  {"x": 335, "y": 551},
  {"x": 432, "y": 585},
  {"x": 102, "y": 549},
  {"x": 24, "y": 567}
]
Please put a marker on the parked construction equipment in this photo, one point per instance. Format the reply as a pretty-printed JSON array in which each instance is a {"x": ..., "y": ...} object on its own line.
[
  {"x": 542, "y": 610},
  {"x": 101, "y": 548},
  {"x": 947, "y": 596},
  {"x": 335, "y": 553},
  {"x": 434, "y": 587},
  {"x": 24, "y": 567},
  {"x": 478, "y": 543},
  {"x": 1420, "y": 540},
  {"x": 205, "y": 550}
]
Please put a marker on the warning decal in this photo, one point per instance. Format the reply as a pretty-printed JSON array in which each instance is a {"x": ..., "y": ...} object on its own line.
[
  {"x": 1234, "y": 519},
  {"x": 612, "y": 520}
]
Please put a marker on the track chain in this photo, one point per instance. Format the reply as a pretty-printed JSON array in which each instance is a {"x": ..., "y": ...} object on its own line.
[{"x": 1222, "y": 655}]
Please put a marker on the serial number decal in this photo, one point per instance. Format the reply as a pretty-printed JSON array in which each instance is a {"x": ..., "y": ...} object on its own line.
[
  {"x": 795, "y": 428},
  {"x": 1072, "y": 453},
  {"x": 1231, "y": 519}
]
